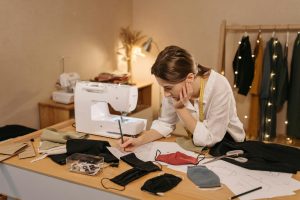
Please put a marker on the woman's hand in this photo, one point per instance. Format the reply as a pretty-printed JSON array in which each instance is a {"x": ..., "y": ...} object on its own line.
[
  {"x": 130, "y": 143},
  {"x": 184, "y": 96}
]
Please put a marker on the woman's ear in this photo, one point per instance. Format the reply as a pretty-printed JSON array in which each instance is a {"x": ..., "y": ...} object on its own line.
[{"x": 190, "y": 77}]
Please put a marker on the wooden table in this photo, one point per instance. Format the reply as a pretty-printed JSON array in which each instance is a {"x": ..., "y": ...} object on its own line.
[{"x": 47, "y": 180}]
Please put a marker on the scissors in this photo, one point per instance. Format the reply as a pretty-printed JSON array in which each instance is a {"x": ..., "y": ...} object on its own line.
[{"x": 229, "y": 154}]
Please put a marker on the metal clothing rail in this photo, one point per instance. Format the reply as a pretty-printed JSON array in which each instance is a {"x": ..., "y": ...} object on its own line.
[{"x": 224, "y": 29}]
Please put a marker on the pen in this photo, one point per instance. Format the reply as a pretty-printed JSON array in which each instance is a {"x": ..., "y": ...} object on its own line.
[
  {"x": 244, "y": 193},
  {"x": 122, "y": 139}
]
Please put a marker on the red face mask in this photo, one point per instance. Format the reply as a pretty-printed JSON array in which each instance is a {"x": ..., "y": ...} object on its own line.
[{"x": 178, "y": 158}]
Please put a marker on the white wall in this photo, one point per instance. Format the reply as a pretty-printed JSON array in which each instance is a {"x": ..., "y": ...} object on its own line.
[
  {"x": 195, "y": 24},
  {"x": 36, "y": 34}
]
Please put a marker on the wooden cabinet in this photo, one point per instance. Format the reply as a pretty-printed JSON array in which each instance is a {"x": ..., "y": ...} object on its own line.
[{"x": 52, "y": 113}]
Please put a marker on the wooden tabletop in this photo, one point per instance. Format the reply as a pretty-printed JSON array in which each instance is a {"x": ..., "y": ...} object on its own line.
[{"x": 184, "y": 190}]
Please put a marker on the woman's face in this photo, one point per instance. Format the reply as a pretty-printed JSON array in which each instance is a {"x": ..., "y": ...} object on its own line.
[{"x": 171, "y": 89}]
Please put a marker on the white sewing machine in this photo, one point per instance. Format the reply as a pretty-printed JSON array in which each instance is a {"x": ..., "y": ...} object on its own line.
[
  {"x": 92, "y": 113},
  {"x": 67, "y": 82}
]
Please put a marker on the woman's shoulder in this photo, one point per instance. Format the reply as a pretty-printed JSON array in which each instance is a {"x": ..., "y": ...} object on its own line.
[{"x": 220, "y": 82}]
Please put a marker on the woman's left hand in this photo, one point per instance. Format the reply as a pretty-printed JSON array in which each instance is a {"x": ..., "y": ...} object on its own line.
[{"x": 184, "y": 96}]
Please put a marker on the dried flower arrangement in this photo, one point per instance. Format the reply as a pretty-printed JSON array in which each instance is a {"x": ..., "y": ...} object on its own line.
[{"x": 129, "y": 39}]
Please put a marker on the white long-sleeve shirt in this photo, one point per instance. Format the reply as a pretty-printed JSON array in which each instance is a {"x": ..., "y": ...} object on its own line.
[{"x": 220, "y": 114}]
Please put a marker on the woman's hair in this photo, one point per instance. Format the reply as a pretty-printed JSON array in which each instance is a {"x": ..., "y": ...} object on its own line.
[{"x": 173, "y": 64}]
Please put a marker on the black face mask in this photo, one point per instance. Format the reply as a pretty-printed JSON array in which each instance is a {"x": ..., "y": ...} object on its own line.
[
  {"x": 140, "y": 168},
  {"x": 160, "y": 184},
  {"x": 133, "y": 161},
  {"x": 125, "y": 178}
]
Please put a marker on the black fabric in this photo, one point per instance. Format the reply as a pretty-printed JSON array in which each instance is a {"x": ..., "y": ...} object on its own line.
[
  {"x": 91, "y": 147},
  {"x": 273, "y": 86},
  {"x": 128, "y": 176},
  {"x": 59, "y": 158},
  {"x": 161, "y": 183},
  {"x": 14, "y": 130},
  {"x": 133, "y": 161},
  {"x": 293, "y": 111},
  {"x": 243, "y": 66},
  {"x": 261, "y": 156}
]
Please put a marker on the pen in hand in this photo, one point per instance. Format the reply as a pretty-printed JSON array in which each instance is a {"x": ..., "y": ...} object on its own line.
[{"x": 122, "y": 139}]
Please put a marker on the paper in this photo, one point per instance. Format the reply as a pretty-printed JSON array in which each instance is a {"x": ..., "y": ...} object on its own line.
[{"x": 148, "y": 151}]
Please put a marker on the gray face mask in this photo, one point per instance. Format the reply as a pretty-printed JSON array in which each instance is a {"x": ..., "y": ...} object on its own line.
[{"x": 203, "y": 177}]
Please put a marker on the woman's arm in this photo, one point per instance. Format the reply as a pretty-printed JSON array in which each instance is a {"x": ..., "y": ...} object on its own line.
[{"x": 147, "y": 136}]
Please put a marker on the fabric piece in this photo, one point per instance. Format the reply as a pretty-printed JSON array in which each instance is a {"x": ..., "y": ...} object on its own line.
[
  {"x": 188, "y": 144},
  {"x": 254, "y": 113},
  {"x": 177, "y": 158},
  {"x": 29, "y": 151},
  {"x": 261, "y": 156},
  {"x": 61, "y": 137},
  {"x": 161, "y": 183},
  {"x": 14, "y": 130},
  {"x": 203, "y": 177},
  {"x": 10, "y": 149},
  {"x": 293, "y": 111},
  {"x": 243, "y": 66},
  {"x": 91, "y": 147},
  {"x": 46, "y": 145},
  {"x": 128, "y": 176},
  {"x": 133, "y": 161}
]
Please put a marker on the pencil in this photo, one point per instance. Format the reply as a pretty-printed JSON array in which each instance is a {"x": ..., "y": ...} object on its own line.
[
  {"x": 122, "y": 139},
  {"x": 244, "y": 193}
]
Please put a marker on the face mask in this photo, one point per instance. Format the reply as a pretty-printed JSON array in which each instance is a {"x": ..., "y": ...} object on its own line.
[
  {"x": 203, "y": 177},
  {"x": 160, "y": 184},
  {"x": 140, "y": 168},
  {"x": 125, "y": 178},
  {"x": 133, "y": 161},
  {"x": 178, "y": 158}
]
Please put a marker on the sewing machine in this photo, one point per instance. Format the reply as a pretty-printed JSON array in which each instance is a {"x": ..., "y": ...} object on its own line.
[
  {"x": 66, "y": 84},
  {"x": 92, "y": 113}
]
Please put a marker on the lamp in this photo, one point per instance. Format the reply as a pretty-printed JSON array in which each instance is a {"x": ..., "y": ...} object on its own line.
[{"x": 148, "y": 45}]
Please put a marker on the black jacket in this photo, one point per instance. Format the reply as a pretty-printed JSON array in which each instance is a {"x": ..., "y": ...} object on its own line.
[
  {"x": 293, "y": 128},
  {"x": 243, "y": 66},
  {"x": 261, "y": 156}
]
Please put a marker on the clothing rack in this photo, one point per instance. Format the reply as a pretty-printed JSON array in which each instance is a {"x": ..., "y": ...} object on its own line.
[{"x": 224, "y": 29}]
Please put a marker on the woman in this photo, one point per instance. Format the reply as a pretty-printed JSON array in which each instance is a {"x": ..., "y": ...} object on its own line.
[{"x": 183, "y": 82}]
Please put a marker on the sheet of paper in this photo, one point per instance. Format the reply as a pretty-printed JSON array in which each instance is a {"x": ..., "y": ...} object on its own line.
[{"x": 148, "y": 151}]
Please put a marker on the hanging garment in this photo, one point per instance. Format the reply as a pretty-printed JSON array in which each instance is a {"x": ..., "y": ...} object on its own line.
[
  {"x": 254, "y": 114},
  {"x": 243, "y": 66},
  {"x": 272, "y": 65},
  {"x": 261, "y": 156},
  {"x": 293, "y": 126},
  {"x": 282, "y": 88}
]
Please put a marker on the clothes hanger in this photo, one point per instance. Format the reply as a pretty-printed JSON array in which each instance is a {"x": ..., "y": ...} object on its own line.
[
  {"x": 287, "y": 36},
  {"x": 274, "y": 32}
]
